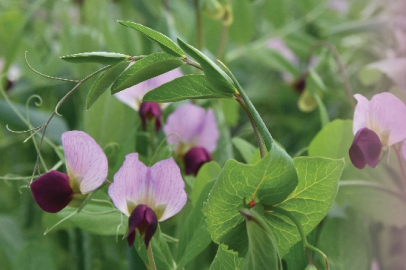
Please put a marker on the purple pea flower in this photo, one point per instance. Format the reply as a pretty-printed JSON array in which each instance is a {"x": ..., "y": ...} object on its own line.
[
  {"x": 198, "y": 135},
  {"x": 147, "y": 194},
  {"x": 132, "y": 96},
  {"x": 87, "y": 168},
  {"x": 378, "y": 124}
]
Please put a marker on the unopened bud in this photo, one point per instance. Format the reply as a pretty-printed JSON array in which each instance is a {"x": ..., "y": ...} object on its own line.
[{"x": 150, "y": 111}]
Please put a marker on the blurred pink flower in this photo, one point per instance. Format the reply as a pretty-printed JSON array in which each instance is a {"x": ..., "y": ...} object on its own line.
[
  {"x": 378, "y": 124},
  {"x": 198, "y": 135},
  {"x": 147, "y": 194},
  {"x": 87, "y": 168},
  {"x": 341, "y": 6}
]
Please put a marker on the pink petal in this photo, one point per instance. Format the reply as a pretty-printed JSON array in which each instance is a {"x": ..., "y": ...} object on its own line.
[
  {"x": 278, "y": 45},
  {"x": 194, "y": 126},
  {"x": 86, "y": 162},
  {"x": 132, "y": 96},
  {"x": 52, "y": 192},
  {"x": 387, "y": 118},
  {"x": 130, "y": 179},
  {"x": 209, "y": 133},
  {"x": 361, "y": 112},
  {"x": 168, "y": 186}
]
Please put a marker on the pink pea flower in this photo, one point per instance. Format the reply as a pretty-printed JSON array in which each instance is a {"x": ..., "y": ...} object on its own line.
[
  {"x": 132, "y": 96},
  {"x": 378, "y": 124},
  {"x": 87, "y": 168},
  {"x": 198, "y": 135},
  {"x": 147, "y": 194}
]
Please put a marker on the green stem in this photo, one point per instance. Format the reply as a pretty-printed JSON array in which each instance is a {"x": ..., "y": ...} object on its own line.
[
  {"x": 306, "y": 245},
  {"x": 261, "y": 145},
  {"x": 151, "y": 258},
  {"x": 199, "y": 26}
]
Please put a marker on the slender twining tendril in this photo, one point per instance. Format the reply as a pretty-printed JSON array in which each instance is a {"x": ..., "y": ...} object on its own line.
[
  {"x": 340, "y": 64},
  {"x": 60, "y": 103}
]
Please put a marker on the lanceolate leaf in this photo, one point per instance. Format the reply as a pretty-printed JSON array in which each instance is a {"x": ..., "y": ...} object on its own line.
[
  {"x": 144, "y": 69},
  {"x": 269, "y": 182},
  {"x": 226, "y": 260},
  {"x": 166, "y": 44},
  {"x": 105, "y": 58},
  {"x": 309, "y": 202},
  {"x": 185, "y": 87},
  {"x": 216, "y": 77},
  {"x": 103, "y": 83}
]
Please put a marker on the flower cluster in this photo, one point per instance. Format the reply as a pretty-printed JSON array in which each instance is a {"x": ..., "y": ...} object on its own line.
[
  {"x": 146, "y": 195},
  {"x": 378, "y": 124}
]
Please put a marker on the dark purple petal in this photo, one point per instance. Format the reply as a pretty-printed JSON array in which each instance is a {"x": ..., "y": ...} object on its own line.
[
  {"x": 152, "y": 221},
  {"x": 365, "y": 149},
  {"x": 149, "y": 111},
  {"x": 195, "y": 158},
  {"x": 52, "y": 191},
  {"x": 144, "y": 219}
]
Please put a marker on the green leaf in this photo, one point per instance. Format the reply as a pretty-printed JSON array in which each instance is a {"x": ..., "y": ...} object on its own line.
[
  {"x": 185, "y": 87},
  {"x": 144, "y": 69},
  {"x": 346, "y": 242},
  {"x": 262, "y": 249},
  {"x": 226, "y": 260},
  {"x": 166, "y": 44},
  {"x": 269, "y": 182},
  {"x": 104, "y": 82},
  {"x": 246, "y": 149},
  {"x": 216, "y": 77},
  {"x": 309, "y": 202},
  {"x": 194, "y": 236},
  {"x": 209, "y": 171},
  {"x": 333, "y": 141},
  {"x": 105, "y": 58},
  {"x": 96, "y": 218}
]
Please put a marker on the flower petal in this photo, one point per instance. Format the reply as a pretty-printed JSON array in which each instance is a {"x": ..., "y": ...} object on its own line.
[
  {"x": 361, "y": 113},
  {"x": 365, "y": 149},
  {"x": 128, "y": 183},
  {"x": 184, "y": 121},
  {"x": 387, "y": 118},
  {"x": 52, "y": 191},
  {"x": 194, "y": 126},
  {"x": 395, "y": 69},
  {"x": 195, "y": 158},
  {"x": 169, "y": 188},
  {"x": 86, "y": 162},
  {"x": 209, "y": 133},
  {"x": 152, "y": 221},
  {"x": 135, "y": 220}
]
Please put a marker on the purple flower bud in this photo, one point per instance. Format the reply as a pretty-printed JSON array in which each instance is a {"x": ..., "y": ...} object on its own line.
[
  {"x": 145, "y": 220},
  {"x": 365, "y": 149},
  {"x": 150, "y": 111},
  {"x": 195, "y": 158}
]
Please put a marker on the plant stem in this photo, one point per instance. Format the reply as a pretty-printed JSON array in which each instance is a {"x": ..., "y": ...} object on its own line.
[
  {"x": 199, "y": 26},
  {"x": 223, "y": 41},
  {"x": 151, "y": 258},
  {"x": 262, "y": 148},
  {"x": 306, "y": 245}
]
